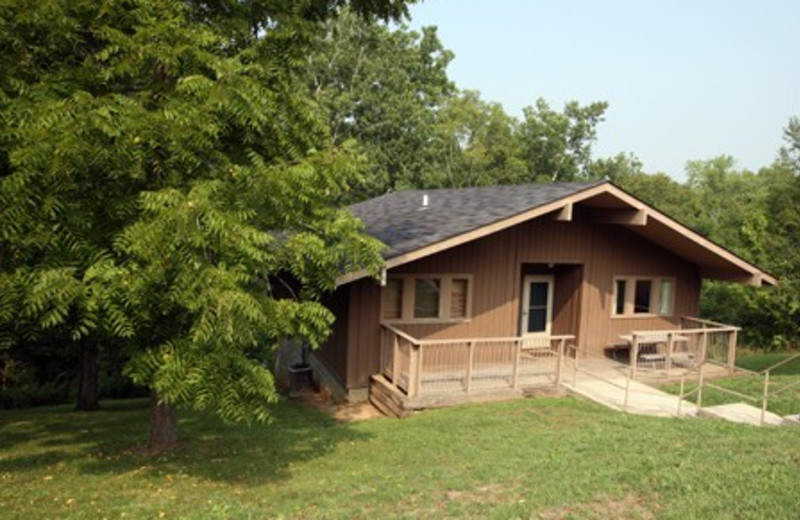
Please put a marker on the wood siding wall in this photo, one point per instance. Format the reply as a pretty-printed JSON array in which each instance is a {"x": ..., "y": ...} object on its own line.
[
  {"x": 334, "y": 353},
  {"x": 585, "y": 259}
]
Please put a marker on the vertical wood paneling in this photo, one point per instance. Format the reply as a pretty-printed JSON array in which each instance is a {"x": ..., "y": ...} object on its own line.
[
  {"x": 619, "y": 252},
  {"x": 586, "y": 259},
  {"x": 334, "y": 352}
]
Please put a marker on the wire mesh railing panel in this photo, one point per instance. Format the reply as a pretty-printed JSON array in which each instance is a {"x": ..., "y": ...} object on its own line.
[
  {"x": 493, "y": 363},
  {"x": 444, "y": 367}
]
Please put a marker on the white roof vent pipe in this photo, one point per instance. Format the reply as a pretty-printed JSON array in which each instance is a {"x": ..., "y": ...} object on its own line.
[{"x": 424, "y": 200}]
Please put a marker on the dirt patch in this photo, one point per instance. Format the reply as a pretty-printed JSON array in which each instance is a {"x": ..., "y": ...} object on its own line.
[
  {"x": 629, "y": 507},
  {"x": 345, "y": 412}
]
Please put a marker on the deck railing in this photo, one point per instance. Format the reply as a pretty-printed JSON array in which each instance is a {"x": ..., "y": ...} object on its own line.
[
  {"x": 768, "y": 389},
  {"x": 697, "y": 342},
  {"x": 419, "y": 367}
]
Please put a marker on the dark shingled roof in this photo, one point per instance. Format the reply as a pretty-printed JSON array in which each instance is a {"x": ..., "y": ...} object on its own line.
[{"x": 399, "y": 220}]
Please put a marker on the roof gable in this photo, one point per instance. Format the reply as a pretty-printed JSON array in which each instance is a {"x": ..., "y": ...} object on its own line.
[{"x": 417, "y": 223}]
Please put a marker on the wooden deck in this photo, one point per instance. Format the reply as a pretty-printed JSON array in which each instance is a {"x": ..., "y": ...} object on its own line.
[
  {"x": 450, "y": 387},
  {"x": 428, "y": 373}
]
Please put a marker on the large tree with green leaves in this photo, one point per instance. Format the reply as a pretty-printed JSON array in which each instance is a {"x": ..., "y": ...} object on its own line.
[
  {"x": 163, "y": 173},
  {"x": 381, "y": 86},
  {"x": 477, "y": 144},
  {"x": 557, "y": 146}
]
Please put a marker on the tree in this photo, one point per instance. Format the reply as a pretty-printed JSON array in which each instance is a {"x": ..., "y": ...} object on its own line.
[
  {"x": 382, "y": 88},
  {"x": 478, "y": 144},
  {"x": 557, "y": 146},
  {"x": 730, "y": 205},
  {"x": 663, "y": 193},
  {"x": 162, "y": 172}
]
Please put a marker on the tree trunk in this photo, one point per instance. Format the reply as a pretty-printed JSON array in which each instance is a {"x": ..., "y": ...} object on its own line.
[
  {"x": 163, "y": 425},
  {"x": 88, "y": 399}
]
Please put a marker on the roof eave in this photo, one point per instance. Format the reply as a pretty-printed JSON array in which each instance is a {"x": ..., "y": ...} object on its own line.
[{"x": 738, "y": 270}]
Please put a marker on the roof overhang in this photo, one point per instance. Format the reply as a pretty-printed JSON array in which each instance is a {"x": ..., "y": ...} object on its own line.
[{"x": 608, "y": 204}]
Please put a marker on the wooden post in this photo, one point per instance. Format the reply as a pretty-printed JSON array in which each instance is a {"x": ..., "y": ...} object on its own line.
[
  {"x": 703, "y": 347},
  {"x": 732, "y": 337},
  {"x": 700, "y": 390},
  {"x": 680, "y": 396},
  {"x": 383, "y": 354},
  {"x": 670, "y": 346},
  {"x": 470, "y": 358},
  {"x": 560, "y": 361},
  {"x": 419, "y": 370},
  {"x": 764, "y": 397},
  {"x": 515, "y": 377},
  {"x": 396, "y": 360},
  {"x": 631, "y": 371},
  {"x": 634, "y": 361},
  {"x": 575, "y": 369},
  {"x": 413, "y": 369}
]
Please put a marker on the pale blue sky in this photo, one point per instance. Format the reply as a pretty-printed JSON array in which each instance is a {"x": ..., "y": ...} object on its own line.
[{"x": 684, "y": 79}]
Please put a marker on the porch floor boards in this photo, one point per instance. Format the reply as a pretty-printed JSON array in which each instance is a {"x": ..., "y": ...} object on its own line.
[
  {"x": 448, "y": 387},
  {"x": 601, "y": 380}
]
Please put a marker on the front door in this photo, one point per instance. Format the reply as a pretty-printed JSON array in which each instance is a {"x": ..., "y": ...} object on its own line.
[{"x": 537, "y": 306}]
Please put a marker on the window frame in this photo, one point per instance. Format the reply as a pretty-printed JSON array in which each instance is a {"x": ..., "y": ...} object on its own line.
[
  {"x": 407, "y": 298},
  {"x": 656, "y": 296}
]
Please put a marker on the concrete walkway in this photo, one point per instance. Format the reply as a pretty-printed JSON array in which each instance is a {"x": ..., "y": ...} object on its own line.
[
  {"x": 605, "y": 383},
  {"x": 741, "y": 413}
]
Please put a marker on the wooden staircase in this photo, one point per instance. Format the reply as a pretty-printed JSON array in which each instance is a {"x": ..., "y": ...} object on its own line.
[{"x": 383, "y": 397}]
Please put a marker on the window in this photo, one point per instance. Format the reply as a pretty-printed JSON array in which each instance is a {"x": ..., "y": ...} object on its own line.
[
  {"x": 458, "y": 298},
  {"x": 643, "y": 296},
  {"x": 619, "y": 297},
  {"x": 665, "y": 303},
  {"x": 641, "y": 301},
  {"x": 426, "y": 298},
  {"x": 392, "y": 299}
]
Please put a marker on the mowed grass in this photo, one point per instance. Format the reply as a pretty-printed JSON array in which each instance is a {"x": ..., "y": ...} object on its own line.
[
  {"x": 528, "y": 458},
  {"x": 784, "y": 385}
]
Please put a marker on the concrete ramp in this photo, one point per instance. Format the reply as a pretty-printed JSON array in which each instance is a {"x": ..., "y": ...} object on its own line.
[
  {"x": 605, "y": 383},
  {"x": 641, "y": 399},
  {"x": 741, "y": 413}
]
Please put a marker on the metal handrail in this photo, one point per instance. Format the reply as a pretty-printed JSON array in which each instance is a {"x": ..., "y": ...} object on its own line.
[{"x": 780, "y": 363}]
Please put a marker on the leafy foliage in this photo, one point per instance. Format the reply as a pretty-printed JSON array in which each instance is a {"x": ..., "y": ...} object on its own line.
[
  {"x": 557, "y": 146},
  {"x": 161, "y": 171},
  {"x": 382, "y": 88}
]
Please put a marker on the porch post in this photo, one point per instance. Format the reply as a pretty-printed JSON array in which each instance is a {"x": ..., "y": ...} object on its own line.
[
  {"x": 560, "y": 361},
  {"x": 670, "y": 346},
  {"x": 699, "y": 402},
  {"x": 470, "y": 359},
  {"x": 414, "y": 354},
  {"x": 419, "y": 370},
  {"x": 515, "y": 377},
  {"x": 395, "y": 360},
  {"x": 764, "y": 397},
  {"x": 634, "y": 361},
  {"x": 732, "y": 338},
  {"x": 383, "y": 354},
  {"x": 703, "y": 346}
]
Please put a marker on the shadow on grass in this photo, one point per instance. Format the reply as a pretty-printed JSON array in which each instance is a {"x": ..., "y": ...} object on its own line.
[{"x": 111, "y": 441}]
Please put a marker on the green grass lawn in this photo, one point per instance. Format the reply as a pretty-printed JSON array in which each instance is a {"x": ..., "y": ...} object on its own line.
[
  {"x": 786, "y": 376},
  {"x": 529, "y": 458}
]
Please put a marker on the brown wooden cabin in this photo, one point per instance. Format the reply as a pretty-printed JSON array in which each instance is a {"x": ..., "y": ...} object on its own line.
[{"x": 491, "y": 284}]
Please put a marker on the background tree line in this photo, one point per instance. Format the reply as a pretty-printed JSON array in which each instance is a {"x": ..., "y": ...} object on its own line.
[
  {"x": 388, "y": 90},
  {"x": 173, "y": 176}
]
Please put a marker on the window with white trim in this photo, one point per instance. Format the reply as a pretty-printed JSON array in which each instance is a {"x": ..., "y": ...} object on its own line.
[
  {"x": 426, "y": 298},
  {"x": 642, "y": 296}
]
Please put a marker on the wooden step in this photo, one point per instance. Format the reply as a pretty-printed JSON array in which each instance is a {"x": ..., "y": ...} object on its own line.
[{"x": 385, "y": 398}]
